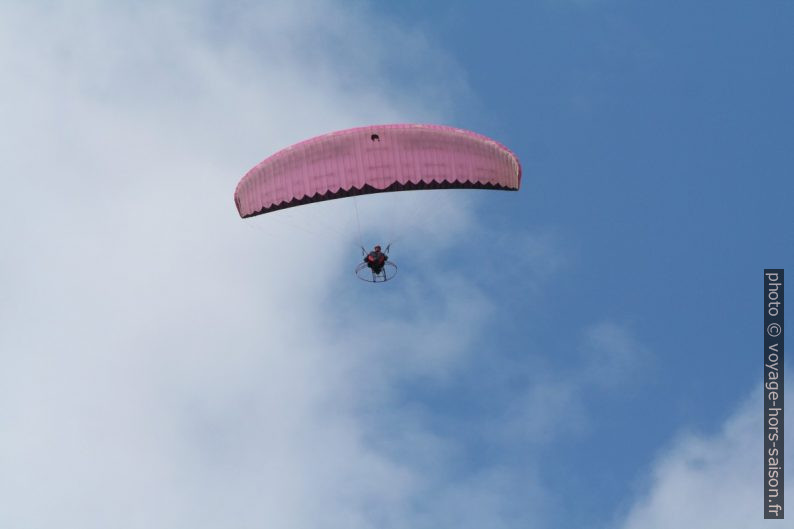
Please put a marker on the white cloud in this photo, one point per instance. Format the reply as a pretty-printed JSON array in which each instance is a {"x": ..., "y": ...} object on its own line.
[
  {"x": 708, "y": 481},
  {"x": 164, "y": 363}
]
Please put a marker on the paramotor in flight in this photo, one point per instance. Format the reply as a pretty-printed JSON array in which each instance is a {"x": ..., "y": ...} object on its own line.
[{"x": 376, "y": 159}]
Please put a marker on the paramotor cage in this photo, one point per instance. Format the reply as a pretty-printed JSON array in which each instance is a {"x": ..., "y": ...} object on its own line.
[{"x": 386, "y": 273}]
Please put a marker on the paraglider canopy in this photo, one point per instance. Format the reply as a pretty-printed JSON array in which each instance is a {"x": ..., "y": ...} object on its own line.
[{"x": 376, "y": 159}]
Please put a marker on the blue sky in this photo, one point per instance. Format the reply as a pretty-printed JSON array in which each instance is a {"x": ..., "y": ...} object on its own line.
[
  {"x": 583, "y": 353},
  {"x": 656, "y": 146}
]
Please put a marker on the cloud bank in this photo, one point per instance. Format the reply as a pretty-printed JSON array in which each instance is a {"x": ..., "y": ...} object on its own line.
[
  {"x": 708, "y": 481},
  {"x": 166, "y": 365}
]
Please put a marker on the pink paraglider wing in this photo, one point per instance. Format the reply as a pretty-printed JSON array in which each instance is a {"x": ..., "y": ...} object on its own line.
[{"x": 376, "y": 159}]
